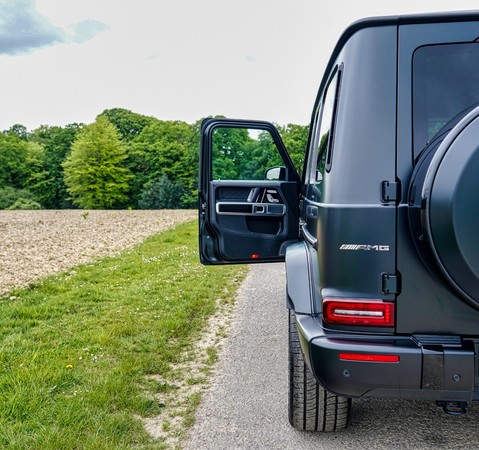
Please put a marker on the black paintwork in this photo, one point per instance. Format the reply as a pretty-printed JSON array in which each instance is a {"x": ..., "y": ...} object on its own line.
[
  {"x": 234, "y": 228},
  {"x": 387, "y": 220}
]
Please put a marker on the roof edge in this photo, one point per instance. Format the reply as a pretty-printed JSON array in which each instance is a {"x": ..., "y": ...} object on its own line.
[{"x": 410, "y": 19}]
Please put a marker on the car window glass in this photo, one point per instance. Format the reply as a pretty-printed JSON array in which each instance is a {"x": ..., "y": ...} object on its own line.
[
  {"x": 313, "y": 147},
  {"x": 445, "y": 83},
  {"x": 243, "y": 154},
  {"x": 323, "y": 138}
]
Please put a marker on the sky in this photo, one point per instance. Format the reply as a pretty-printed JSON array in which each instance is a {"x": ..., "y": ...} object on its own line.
[{"x": 65, "y": 61}]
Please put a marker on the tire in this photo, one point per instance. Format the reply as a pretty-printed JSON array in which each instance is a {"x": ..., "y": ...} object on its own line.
[{"x": 311, "y": 407}]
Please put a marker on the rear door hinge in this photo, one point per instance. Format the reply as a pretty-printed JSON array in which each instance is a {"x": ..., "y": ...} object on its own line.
[
  {"x": 390, "y": 284},
  {"x": 390, "y": 191}
]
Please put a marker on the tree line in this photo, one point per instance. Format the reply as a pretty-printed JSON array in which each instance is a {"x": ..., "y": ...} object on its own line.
[{"x": 122, "y": 160}]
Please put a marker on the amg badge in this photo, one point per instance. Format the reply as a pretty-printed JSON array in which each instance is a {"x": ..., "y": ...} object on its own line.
[{"x": 366, "y": 247}]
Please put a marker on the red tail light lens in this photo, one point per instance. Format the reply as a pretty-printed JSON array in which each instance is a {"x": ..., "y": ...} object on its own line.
[
  {"x": 368, "y": 358},
  {"x": 371, "y": 313}
]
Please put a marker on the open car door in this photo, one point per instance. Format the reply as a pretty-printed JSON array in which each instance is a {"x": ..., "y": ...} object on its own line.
[{"x": 248, "y": 193}]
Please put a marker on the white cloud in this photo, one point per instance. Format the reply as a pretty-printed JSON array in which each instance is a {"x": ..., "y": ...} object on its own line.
[
  {"x": 174, "y": 59},
  {"x": 85, "y": 30},
  {"x": 24, "y": 30}
]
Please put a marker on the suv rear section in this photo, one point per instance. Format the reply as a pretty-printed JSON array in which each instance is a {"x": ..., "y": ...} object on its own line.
[{"x": 379, "y": 235}]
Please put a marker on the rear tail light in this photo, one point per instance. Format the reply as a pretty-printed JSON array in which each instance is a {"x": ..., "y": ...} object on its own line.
[{"x": 371, "y": 313}]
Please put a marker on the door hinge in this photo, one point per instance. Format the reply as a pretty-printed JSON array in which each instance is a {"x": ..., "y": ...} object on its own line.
[
  {"x": 390, "y": 284},
  {"x": 390, "y": 191}
]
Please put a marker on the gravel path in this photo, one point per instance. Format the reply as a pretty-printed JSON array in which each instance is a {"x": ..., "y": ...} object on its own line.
[
  {"x": 38, "y": 243},
  {"x": 246, "y": 406}
]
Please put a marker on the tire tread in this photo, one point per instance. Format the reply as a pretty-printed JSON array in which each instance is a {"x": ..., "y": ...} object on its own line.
[{"x": 311, "y": 407}]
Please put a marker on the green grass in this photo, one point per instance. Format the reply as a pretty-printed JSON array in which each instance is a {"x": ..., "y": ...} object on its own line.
[{"x": 76, "y": 349}]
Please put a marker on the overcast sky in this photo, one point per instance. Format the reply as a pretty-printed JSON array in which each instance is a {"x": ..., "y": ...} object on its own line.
[{"x": 64, "y": 61}]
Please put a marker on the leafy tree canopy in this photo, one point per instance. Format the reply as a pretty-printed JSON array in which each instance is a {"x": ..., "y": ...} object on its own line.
[
  {"x": 19, "y": 131},
  {"x": 295, "y": 138},
  {"x": 46, "y": 180},
  {"x": 124, "y": 157},
  {"x": 9, "y": 196},
  {"x": 95, "y": 172},
  {"x": 162, "y": 194},
  {"x": 13, "y": 161},
  {"x": 128, "y": 123},
  {"x": 163, "y": 148}
]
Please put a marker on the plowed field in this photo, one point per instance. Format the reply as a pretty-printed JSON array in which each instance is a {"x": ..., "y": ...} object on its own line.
[{"x": 38, "y": 243}]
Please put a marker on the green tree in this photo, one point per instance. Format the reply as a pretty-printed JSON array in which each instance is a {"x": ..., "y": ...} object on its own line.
[
  {"x": 164, "y": 148},
  {"x": 46, "y": 177},
  {"x": 95, "y": 172},
  {"x": 232, "y": 149},
  {"x": 18, "y": 160},
  {"x": 19, "y": 131},
  {"x": 24, "y": 204},
  {"x": 128, "y": 123},
  {"x": 162, "y": 194},
  {"x": 263, "y": 155},
  {"x": 13, "y": 161},
  {"x": 9, "y": 196},
  {"x": 295, "y": 138},
  {"x": 243, "y": 154}
]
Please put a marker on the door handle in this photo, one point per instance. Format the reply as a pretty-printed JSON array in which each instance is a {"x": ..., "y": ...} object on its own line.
[{"x": 248, "y": 209}]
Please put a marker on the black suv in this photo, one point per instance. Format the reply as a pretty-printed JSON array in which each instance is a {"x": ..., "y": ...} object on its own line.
[{"x": 380, "y": 234}]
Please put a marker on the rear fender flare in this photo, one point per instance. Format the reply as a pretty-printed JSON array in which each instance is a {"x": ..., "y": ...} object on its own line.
[{"x": 302, "y": 279}]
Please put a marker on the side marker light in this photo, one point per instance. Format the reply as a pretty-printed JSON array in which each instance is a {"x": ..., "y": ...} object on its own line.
[{"x": 368, "y": 357}]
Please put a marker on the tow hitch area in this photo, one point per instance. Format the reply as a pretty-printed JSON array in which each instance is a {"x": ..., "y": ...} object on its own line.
[{"x": 453, "y": 408}]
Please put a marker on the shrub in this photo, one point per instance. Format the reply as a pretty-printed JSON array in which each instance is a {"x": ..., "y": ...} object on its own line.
[
  {"x": 9, "y": 196},
  {"x": 25, "y": 204},
  {"x": 162, "y": 194}
]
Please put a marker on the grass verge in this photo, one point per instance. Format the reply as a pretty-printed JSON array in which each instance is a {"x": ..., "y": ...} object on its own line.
[{"x": 79, "y": 352}]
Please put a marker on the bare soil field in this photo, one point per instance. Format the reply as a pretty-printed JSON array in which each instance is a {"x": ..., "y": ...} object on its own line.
[{"x": 38, "y": 243}]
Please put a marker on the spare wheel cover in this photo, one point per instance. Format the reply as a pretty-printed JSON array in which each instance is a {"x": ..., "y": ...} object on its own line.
[{"x": 450, "y": 199}]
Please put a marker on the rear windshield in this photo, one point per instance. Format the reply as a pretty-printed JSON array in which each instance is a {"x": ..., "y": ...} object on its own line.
[{"x": 445, "y": 83}]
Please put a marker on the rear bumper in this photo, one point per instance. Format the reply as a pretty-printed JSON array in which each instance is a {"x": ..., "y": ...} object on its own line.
[{"x": 428, "y": 372}]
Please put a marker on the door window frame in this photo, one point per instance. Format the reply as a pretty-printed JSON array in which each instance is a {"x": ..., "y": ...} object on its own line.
[{"x": 313, "y": 156}]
